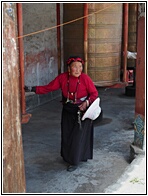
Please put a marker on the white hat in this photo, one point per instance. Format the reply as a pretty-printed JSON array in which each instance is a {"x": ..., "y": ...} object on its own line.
[{"x": 93, "y": 111}]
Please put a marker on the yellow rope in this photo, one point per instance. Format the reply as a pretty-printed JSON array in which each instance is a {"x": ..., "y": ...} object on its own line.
[{"x": 64, "y": 23}]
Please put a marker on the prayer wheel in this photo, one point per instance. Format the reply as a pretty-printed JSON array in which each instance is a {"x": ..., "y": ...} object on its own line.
[{"x": 104, "y": 42}]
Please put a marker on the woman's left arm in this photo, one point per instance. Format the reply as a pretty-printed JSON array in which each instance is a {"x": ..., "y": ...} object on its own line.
[{"x": 92, "y": 93}]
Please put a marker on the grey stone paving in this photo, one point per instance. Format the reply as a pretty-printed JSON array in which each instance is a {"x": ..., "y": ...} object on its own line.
[{"x": 45, "y": 170}]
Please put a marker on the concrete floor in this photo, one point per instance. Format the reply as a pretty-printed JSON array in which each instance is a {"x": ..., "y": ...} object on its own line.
[{"x": 46, "y": 171}]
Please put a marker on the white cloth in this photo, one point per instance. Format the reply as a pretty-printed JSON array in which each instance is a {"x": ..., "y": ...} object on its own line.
[{"x": 93, "y": 111}]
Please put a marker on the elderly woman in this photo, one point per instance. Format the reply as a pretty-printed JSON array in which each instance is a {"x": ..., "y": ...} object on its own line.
[{"x": 78, "y": 93}]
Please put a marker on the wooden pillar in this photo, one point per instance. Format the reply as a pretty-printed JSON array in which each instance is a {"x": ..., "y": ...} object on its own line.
[
  {"x": 85, "y": 37},
  {"x": 140, "y": 79},
  {"x": 25, "y": 116},
  {"x": 13, "y": 160},
  {"x": 125, "y": 42},
  {"x": 58, "y": 37}
]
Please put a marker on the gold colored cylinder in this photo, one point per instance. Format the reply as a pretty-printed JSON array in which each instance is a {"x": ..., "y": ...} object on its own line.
[{"x": 104, "y": 42}]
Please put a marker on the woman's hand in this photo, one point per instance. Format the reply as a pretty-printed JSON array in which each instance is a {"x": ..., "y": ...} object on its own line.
[
  {"x": 83, "y": 106},
  {"x": 27, "y": 88},
  {"x": 30, "y": 88}
]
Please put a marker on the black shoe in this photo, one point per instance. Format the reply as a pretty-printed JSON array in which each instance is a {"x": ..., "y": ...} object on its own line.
[
  {"x": 72, "y": 168},
  {"x": 84, "y": 160}
]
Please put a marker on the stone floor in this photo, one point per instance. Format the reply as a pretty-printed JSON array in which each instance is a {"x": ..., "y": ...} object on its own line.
[{"x": 46, "y": 171}]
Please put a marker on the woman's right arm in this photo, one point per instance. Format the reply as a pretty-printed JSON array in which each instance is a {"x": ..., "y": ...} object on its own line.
[{"x": 52, "y": 86}]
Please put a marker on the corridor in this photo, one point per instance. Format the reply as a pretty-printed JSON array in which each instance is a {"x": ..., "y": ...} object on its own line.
[{"x": 44, "y": 168}]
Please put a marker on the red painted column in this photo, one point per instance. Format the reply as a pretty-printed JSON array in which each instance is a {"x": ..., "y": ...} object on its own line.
[
  {"x": 25, "y": 116},
  {"x": 140, "y": 68},
  {"x": 139, "y": 122},
  {"x": 58, "y": 37},
  {"x": 85, "y": 37},
  {"x": 125, "y": 42}
]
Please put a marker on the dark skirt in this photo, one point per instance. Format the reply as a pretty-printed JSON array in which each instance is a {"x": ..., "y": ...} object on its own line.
[{"x": 76, "y": 141}]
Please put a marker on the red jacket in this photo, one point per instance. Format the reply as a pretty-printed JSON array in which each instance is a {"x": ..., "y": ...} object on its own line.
[{"x": 85, "y": 87}]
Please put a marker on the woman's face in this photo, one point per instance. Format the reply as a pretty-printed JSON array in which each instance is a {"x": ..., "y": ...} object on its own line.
[{"x": 75, "y": 69}]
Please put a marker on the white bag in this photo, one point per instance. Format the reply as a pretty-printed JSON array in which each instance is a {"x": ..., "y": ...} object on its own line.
[{"x": 93, "y": 111}]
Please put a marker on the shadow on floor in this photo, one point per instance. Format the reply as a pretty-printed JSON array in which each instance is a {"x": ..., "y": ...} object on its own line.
[{"x": 46, "y": 171}]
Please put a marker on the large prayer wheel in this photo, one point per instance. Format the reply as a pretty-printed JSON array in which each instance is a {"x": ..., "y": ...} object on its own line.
[{"x": 104, "y": 42}]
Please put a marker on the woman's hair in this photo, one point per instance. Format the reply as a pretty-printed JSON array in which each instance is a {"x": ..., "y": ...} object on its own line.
[{"x": 74, "y": 59}]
